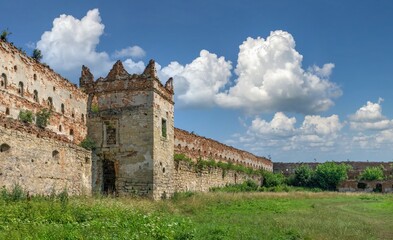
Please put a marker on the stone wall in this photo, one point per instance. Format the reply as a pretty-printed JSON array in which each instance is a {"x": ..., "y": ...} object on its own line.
[
  {"x": 26, "y": 84},
  {"x": 385, "y": 186},
  {"x": 195, "y": 147},
  {"x": 41, "y": 161},
  {"x": 357, "y": 167},
  {"x": 186, "y": 178},
  {"x": 126, "y": 116}
]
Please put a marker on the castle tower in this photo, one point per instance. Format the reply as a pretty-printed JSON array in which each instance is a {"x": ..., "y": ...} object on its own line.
[{"x": 131, "y": 120}]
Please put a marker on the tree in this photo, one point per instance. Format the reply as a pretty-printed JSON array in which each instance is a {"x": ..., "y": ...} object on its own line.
[
  {"x": 37, "y": 55},
  {"x": 272, "y": 179},
  {"x": 372, "y": 173},
  {"x": 42, "y": 118},
  {"x": 4, "y": 35},
  {"x": 303, "y": 176},
  {"x": 328, "y": 175}
]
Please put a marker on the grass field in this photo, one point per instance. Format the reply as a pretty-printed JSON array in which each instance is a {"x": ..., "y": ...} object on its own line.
[{"x": 293, "y": 215}]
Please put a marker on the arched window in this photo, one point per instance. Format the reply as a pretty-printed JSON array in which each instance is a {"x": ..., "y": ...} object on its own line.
[
  {"x": 20, "y": 88},
  {"x": 4, "y": 147},
  {"x": 62, "y": 108},
  {"x": 71, "y": 132},
  {"x": 50, "y": 102},
  {"x": 35, "y": 76},
  {"x": 3, "y": 80},
  {"x": 35, "y": 95},
  {"x": 55, "y": 154},
  {"x": 60, "y": 128},
  {"x": 15, "y": 68},
  {"x": 7, "y": 111}
]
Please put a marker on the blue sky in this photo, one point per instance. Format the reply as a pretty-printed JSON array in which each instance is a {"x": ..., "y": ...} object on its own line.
[{"x": 293, "y": 80}]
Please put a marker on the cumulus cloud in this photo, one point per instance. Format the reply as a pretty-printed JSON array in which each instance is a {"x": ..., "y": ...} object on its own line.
[
  {"x": 133, "y": 52},
  {"x": 72, "y": 43},
  {"x": 196, "y": 84},
  {"x": 271, "y": 78},
  {"x": 370, "y": 117},
  {"x": 134, "y": 67},
  {"x": 316, "y": 132}
]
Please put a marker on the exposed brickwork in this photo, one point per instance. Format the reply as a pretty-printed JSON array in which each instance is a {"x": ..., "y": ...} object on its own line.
[
  {"x": 366, "y": 186},
  {"x": 195, "y": 147},
  {"x": 29, "y": 85}
]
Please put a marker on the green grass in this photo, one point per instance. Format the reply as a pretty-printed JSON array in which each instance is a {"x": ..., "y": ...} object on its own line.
[{"x": 261, "y": 215}]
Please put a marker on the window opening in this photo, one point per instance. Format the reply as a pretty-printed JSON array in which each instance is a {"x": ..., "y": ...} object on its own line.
[
  {"x": 163, "y": 128},
  {"x": 20, "y": 88},
  {"x": 35, "y": 96}
]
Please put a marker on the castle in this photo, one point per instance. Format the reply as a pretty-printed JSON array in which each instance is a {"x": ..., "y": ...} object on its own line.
[{"x": 130, "y": 117}]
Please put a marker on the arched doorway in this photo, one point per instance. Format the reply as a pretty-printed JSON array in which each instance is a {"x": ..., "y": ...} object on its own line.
[{"x": 109, "y": 177}]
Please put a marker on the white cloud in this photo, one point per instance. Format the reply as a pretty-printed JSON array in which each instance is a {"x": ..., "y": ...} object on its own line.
[
  {"x": 370, "y": 117},
  {"x": 134, "y": 67},
  {"x": 72, "y": 43},
  {"x": 280, "y": 126},
  {"x": 133, "y": 52},
  {"x": 271, "y": 78},
  {"x": 316, "y": 132},
  {"x": 196, "y": 84}
]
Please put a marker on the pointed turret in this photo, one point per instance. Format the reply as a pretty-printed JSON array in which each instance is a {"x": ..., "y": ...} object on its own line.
[
  {"x": 169, "y": 85},
  {"x": 86, "y": 77},
  {"x": 117, "y": 71},
  {"x": 150, "y": 70}
]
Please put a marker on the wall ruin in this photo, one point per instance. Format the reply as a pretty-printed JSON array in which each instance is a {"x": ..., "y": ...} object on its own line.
[
  {"x": 40, "y": 161},
  {"x": 194, "y": 147}
]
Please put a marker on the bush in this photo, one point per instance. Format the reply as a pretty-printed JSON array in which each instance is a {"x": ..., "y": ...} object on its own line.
[
  {"x": 303, "y": 176},
  {"x": 42, "y": 118},
  {"x": 372, "y": 173},
  {"x": 272, "y": 179},
  {"x": 88, "y": 144},
  {"x": 26, "y": 116},
  {"x": 328, "y": 175}
]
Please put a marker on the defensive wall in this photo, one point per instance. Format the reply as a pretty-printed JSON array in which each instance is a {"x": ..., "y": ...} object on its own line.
[
  {"x": 26, "y": 84},
  {"x": 195, "y": 147},
  {"x": 129, "y": 116},
  {"x": 288, "y": 168},
  {"x": 41, "y": 161}
]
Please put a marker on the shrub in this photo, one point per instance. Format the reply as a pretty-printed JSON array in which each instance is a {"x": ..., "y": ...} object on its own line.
[
  {"x": 372, "y": 173},
  {"x": 42, "y": 118},
  {"x": 37, "y": 55},
  {"x": 303, "y": 176},
  {"x": 4, "y": 35},
  {"x": 328, "y": 175},
  {"x": 26, "y": 116},
  {"x": 88, "y": 144},
  {"x": 273, "y": 179}
]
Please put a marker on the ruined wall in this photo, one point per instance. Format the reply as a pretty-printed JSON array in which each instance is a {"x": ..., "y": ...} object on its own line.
[
  {"x": 385, "y": 186},
  {"x": 195, "y": 147},
  {"x": 357, "y": 167},
  {"x": 40, "y": 161},
  {"x": 186, "y": 178},
  {"x": 26, "y": 84}
]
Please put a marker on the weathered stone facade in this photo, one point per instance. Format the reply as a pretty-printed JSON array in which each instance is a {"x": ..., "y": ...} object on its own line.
[
  {"x": 385, "y": 186},
  {"x": 40, "y": 161},
  {"x": 195, "y": 147},
  {"x": 129, "y": 116}
]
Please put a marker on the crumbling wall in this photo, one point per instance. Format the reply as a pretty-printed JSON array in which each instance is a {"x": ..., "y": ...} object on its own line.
[
  {"x": 195, "y": 147},
  {"x": 384, "y": 186},
  {"x": 40, "y": 161},
  {"x": 26, "y": 84},
  {"x": 187, "y": 178}
]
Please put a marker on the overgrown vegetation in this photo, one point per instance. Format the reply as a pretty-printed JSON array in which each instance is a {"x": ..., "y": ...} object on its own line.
[
  {"x": 5, "y": 33},
  {"x": 88, "y": 144},
  {"x": 372, "y": 173},
  {"x": 42, "y": 118},
  {"x": 26, "y": 116},
  {"x": 37, "y": 55},
  {"x": 292, "y": 215}
]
